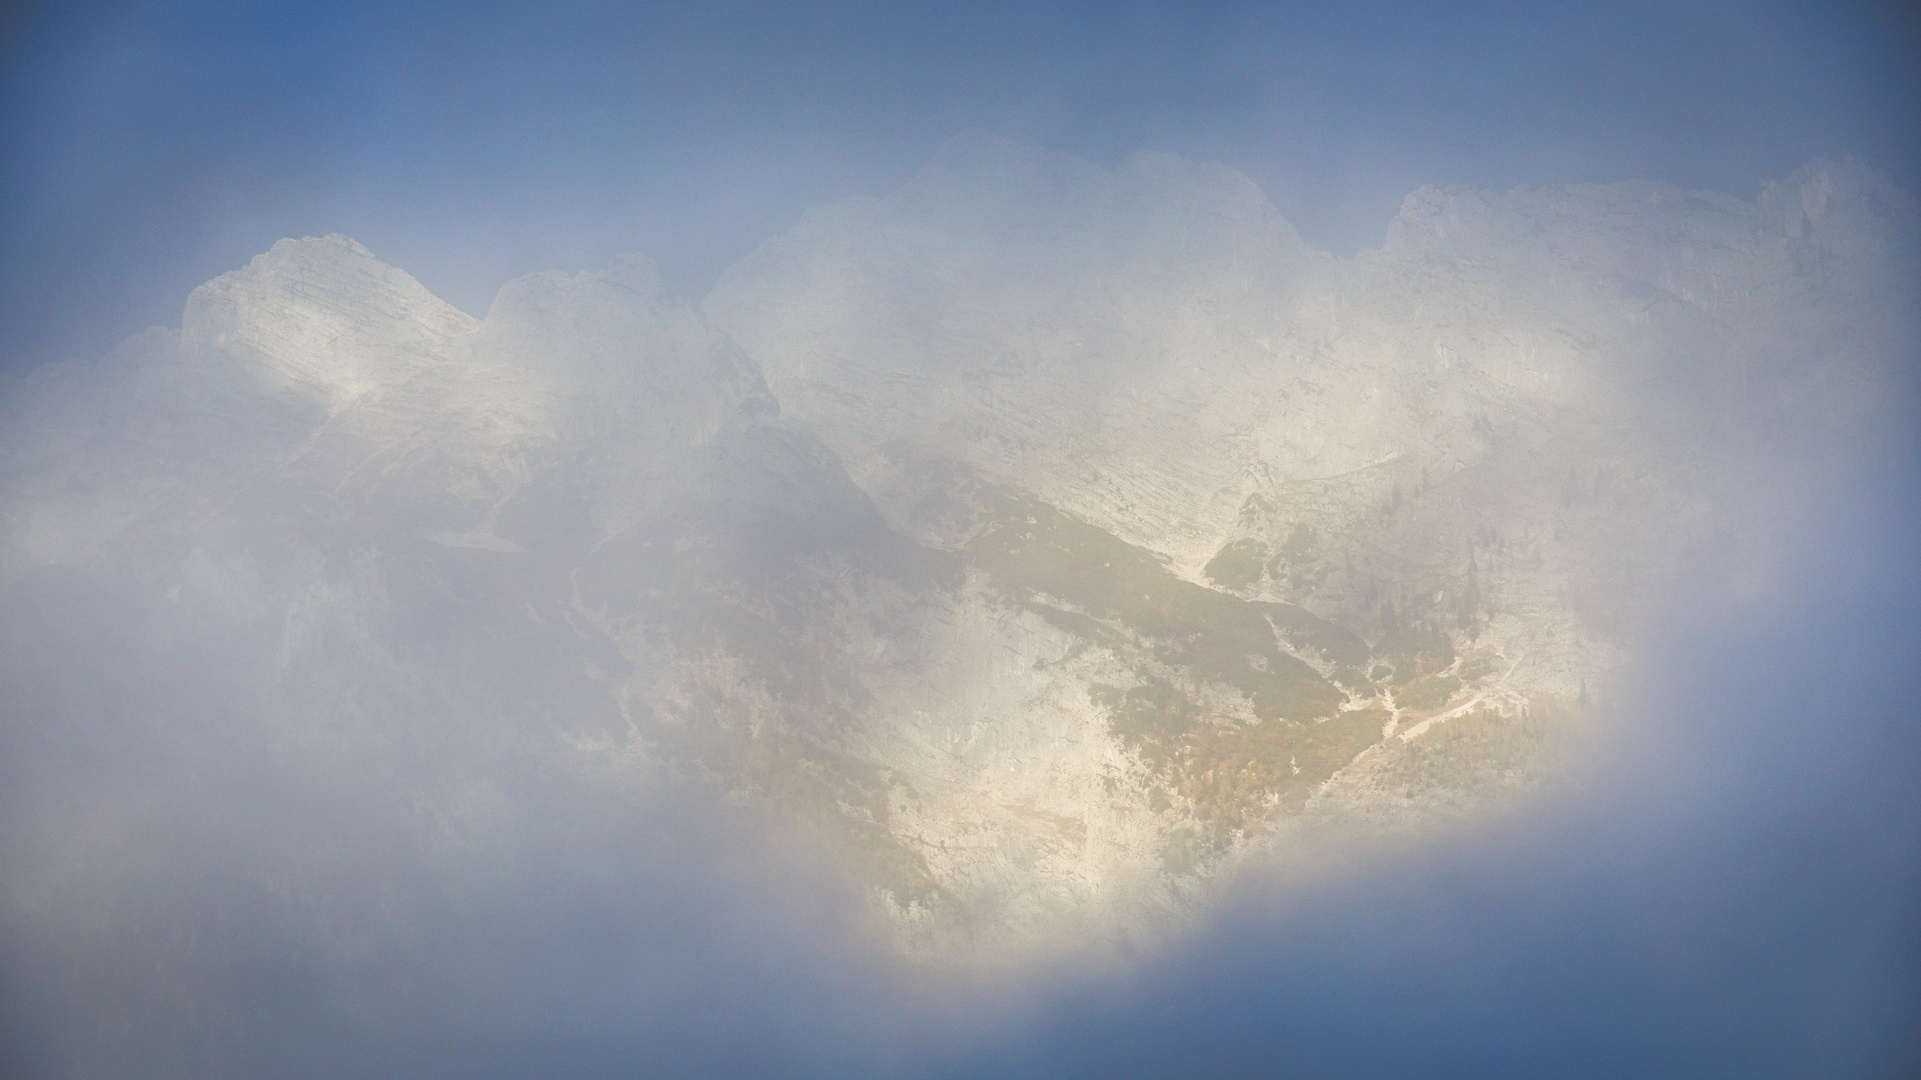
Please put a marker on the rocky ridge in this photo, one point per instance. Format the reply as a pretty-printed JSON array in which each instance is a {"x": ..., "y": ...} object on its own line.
[{"x": 1040, "y": 539}]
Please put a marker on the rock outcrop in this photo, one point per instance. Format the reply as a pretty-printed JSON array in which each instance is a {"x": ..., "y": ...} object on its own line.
[{"x": 1086, "y": 528}]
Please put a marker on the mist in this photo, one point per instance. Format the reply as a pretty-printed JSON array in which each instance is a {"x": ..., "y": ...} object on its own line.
[
  {"x": 153, "y": 147},
  {"x": 1727, "y": 888},
  {"x": 1723, "y": 886},
  {"x": 659, "y": 599}
]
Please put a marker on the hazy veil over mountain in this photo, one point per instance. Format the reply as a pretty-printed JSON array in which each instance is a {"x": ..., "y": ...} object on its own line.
[{"x": 1035, "y": 546}]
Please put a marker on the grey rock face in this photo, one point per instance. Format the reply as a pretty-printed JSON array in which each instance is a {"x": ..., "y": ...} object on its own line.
[{"x": 1086, "y": 530}]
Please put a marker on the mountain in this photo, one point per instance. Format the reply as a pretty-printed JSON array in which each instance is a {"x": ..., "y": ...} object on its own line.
[
  {"x": 1039, "y": 540},
  {"x": 1487, "y": 448}
]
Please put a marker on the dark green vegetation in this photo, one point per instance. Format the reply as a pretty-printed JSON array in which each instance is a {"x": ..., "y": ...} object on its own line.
[
  {"x": 1231, "y": 775},
  {"x": 1241, "y": 564},
  {"x": 1229, "y": 772},
  {"x": 1427, "y": 692},
  {"x": 1063, "y": 568},
  {"x": 1227, "y": 707},
  {"x": 1472, "y": 760},
  {"x": 1238, "y": 565},
  {"x": 1412, "y": 650},
  {"x": 1228, "y": 769},
  {"x": 1296, "y": 564}
]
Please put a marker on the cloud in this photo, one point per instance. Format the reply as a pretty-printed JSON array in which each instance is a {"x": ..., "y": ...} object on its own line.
[
  {"x": 1725, "y": 888},
  {"x": 1729, "y": 890},
  {"x": 152, "y": 146}
]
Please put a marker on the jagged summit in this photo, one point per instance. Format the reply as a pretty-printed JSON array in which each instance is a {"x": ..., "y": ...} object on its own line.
[
  {"x": 326, "y": 316},
  {"x": 1042, "y": 539},
  {"x": 1151, "y": 351}
]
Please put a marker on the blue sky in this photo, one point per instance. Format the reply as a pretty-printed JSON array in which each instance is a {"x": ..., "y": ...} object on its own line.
[
  {"x": 152, "y": 146},
  {"x": 1750, "y": 918}
]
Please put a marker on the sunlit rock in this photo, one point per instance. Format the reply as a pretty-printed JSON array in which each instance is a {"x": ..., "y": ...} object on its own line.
[{"x": 1088, "y": 532}]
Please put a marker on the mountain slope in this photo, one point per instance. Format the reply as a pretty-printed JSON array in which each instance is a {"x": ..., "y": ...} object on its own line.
[
  {"x": 1087, "y": 532},
  {"x": 1487, "y": 447}
]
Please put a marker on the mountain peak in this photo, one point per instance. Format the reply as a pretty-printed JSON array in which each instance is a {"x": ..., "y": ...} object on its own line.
[{"x": 325, "y": 315}]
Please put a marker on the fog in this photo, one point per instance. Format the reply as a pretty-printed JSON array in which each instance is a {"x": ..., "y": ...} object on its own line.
[
  {"x": 1727, "y": 889},
  {"x": 351, "y": 731},
  {"x": 152, "y": 147},
  {"x": 1724, "y": 887}
]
